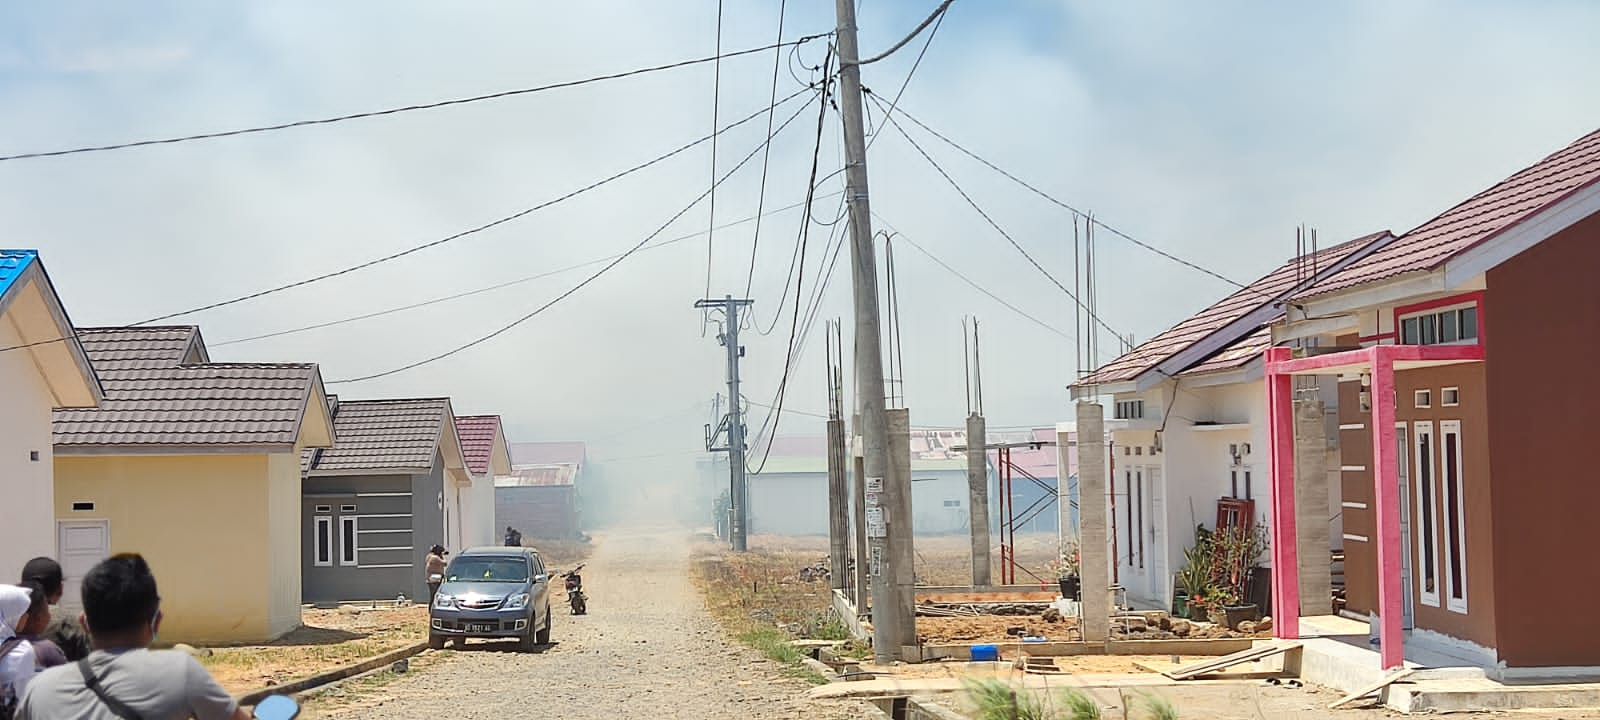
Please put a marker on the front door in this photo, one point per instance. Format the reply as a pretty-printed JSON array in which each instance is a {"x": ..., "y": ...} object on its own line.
[{"x": 80, "y": 544}]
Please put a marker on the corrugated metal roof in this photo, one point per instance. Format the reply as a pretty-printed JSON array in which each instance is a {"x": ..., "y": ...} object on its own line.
[
  {"x": 547, "y": 453},
  {"x": 12, "y": 264},
  {"x": 1272, "y": 286},
  {"x": 539, "y": 476},
  {"x": 382, "y": 435},
  {"x": 210, "y": 404},
  {"x": 478, "y": 433},
  {"x": 1480, "y": 217}
]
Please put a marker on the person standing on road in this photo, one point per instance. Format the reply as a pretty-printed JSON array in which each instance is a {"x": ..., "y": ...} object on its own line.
[
  {"x": 123, "y": 677},
  {"x": 62, "y": 640},
  {"x": 434, "y": 569},
  {"x": 513, "y": 538},
  {"x": 17, "y": 663}
]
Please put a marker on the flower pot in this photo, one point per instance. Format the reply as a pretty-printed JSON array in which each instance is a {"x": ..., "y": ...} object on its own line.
[
  {"x": 1070, "y": 587},
  {"x": 1235, "y": 614},
  {"x": 1180, "y": 604}
]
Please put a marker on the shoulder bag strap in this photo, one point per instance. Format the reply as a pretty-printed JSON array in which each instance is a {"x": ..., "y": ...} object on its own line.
[{"x": 116, "y": 706}]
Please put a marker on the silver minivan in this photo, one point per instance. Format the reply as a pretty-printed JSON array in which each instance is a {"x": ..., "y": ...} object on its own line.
[{"x": 492, "y": 592}]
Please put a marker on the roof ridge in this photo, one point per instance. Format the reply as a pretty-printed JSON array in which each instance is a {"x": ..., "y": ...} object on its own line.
[
  {"x": 132, "y": 328},
  {"x": 343, "y": 401}
]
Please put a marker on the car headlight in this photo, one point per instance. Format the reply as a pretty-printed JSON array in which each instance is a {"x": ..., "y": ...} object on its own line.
[
  {"x": 443, "y": 601},
  {"x": 517, "y": 602}
]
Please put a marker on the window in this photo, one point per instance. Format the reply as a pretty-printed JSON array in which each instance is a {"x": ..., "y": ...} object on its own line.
[
  {"x": 1138, "y": 501},
  {"x": 1455, "y": 515},
  {"x": 1440, "y": 326},
  {"x": 1423, "y": 399},
  {"x": 324, "y": 508},
  {"x": 347, "y": 540},
  {"x": 347, "y": 508},
  {"x": 952, "y": 503},
  {"x": 322, "y": 544},
  {"x": 1450, "y": 397},
  {"x": 1240, "y": 480},
  {"x": 1127, "y": 508},
  {"x": 1427, "y": 541},
  {"x": 1138, "y": 450},
  {"x": 1129, "y": 410}
]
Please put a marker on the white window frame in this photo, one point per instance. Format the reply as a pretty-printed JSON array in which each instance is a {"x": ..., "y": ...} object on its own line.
[
  {"x": 1128, "y": 410},
  {"x": 1444, "y": 397},
  {"x": 348, "y": 555},
  {"x": 1430, "y": 314},
  {"x": 1422, "y": 398},
  {"x": 322, "y": 524},
  {"x": 1456, "y": 541},
  {"x": 1425, "y": 530}
]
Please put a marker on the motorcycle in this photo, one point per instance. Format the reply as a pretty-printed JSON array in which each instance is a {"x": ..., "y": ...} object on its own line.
[{"x": 575, "y": 596}]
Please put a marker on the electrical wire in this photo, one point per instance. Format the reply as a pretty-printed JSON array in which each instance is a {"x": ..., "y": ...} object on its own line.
[
  {"x": 464, "y": 233},
  {"x": 761, "y": 197},
  {"x": 408, "y": 108},
  {"x": 938, "y": 12},
  {"x": 497, "y": 286},
  {"x": 586, "y": 281},
  {"x": 1059, "y": 203},
  {"x": 970, "y": 281},
  {"x": 904, "y": 83},
  {"x": 997, "y": 227}
]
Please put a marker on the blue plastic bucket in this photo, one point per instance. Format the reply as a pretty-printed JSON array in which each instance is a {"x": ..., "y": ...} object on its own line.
[{"x": 985, "y": 653}]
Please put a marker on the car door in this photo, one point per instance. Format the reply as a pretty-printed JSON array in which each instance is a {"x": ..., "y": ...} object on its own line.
[{"x": 541, "y": 585}]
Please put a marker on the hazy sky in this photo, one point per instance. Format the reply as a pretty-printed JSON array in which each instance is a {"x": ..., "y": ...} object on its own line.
[{"x": 1210, "y": 130}]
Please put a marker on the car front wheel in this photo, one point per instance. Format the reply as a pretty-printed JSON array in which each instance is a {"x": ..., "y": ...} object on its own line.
[{"x": 543, "y": 636}]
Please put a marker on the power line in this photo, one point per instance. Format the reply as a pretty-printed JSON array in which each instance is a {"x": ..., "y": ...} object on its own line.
[
  {"x": 761, "y": 197},
  {"x": 907, "y": 82},
  {"x": 970, "y": 281},
  {"x": 996, "y": 225},
  {"x": 938, "y": 12},
  {"x": 585, "y": 282},
  {"x": 1070, "y": 208},
  {"x": 464, "y": 233},
  {"x": 498, "y": 286},
  {"x": 407, "y": 108}
]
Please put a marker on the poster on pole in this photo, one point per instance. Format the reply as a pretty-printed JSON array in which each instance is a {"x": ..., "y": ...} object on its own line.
[{"x": 874, "y": 485}]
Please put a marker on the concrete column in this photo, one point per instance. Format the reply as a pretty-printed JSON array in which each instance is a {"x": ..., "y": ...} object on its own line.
[
  {"x": 1095, "y": 550},
  {"x": 1311, "y": 507},
  {"x": 838, "y": 508},
  {"x": 897, "y": 512},
  {"x": 978, "y": 497}
]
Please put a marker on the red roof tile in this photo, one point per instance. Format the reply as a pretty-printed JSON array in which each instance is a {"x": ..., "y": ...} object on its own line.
[
  {"x": 1273, "y": 285},
  {"x": 1479, "y": 218},
  {"x": 478, "y": 433}
]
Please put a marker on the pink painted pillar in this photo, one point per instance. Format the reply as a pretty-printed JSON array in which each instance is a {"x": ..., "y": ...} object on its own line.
[
  {"x": 1386, "y": 474},
  {"x": 1280, "y": 435}
]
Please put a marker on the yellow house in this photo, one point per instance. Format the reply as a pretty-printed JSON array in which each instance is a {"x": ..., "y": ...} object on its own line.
[{"x": 196, "y": 466}]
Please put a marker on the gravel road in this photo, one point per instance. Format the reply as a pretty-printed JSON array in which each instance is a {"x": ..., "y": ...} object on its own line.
[{"x": 647, "y": 649}]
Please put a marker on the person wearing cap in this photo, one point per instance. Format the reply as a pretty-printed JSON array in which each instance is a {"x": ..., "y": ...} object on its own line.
[{"x": 434, "y": 569}]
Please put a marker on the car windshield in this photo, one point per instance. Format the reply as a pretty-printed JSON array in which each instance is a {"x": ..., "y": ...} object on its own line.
[{"x": 488, "y": 569}]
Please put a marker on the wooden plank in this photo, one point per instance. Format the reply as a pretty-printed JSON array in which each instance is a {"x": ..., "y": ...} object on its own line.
[
  {"x": 1210, "y": 666},
  {"x": 1162, "y": 667},
  {"x": 1387, "y": 680}
]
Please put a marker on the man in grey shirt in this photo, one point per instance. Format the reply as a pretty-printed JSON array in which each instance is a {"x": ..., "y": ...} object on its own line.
[{"x": 123, "y": 679}]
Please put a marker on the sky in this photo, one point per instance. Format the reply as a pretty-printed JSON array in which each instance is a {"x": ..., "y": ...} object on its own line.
[{"x": 1209, "y": 130}]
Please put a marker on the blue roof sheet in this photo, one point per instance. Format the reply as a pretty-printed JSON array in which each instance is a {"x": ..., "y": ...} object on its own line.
[{"x": 12, "y": 264}]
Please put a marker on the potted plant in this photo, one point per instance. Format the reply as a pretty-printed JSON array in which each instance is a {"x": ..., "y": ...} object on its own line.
[
  {"x": 1236, "y": 553},
  {"x": 1066, "y": 568},
  {"x": 1194, "y": 578}
]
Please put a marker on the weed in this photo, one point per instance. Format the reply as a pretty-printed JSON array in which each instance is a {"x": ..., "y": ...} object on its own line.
[
  {"x": 997, "y": 700},
  {"x": 1079, "y": 705}
]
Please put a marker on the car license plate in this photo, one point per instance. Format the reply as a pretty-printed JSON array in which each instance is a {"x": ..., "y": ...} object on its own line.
[{"x": 481, "y": 627}]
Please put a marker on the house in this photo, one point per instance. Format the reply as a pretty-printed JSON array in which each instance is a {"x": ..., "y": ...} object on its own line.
[
  {"x": 1465, "y": 529},
  {"x": 42, "y": 368},
  {"x": 194, "y": 465},
  {"x": 540, "y": 498},
  {"x": 374, "y": 503},
  {"x": 1188, "y": 434},
  {"x": 483, "y": 443}
]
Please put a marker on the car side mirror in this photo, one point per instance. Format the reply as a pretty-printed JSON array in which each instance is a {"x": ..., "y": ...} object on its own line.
[{"x": 541, "y": 577}]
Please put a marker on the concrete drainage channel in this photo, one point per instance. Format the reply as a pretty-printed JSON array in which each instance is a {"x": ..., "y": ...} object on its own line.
[{"x": 320, "y": 680}]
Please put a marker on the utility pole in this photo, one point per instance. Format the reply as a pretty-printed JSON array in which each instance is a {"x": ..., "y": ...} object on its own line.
[
  {"x": 733, "y": 422},
  {"x": 884, "y": 530}
]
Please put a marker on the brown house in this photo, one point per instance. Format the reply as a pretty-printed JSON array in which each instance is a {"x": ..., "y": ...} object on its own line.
[{"x": 1467, "y": 497}]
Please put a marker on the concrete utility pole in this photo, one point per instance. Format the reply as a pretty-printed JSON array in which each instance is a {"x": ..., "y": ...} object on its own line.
[
  {"x": 977, "y": 459},
  {"x": 733, "y": 422},
  {"x": 884, "y": 530}
]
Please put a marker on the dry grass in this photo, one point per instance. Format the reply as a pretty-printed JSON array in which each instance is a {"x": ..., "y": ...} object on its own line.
[
  {"x": 758, "y": 599},
  {"x": 359, "y": 692},
  {"x": 942, "y": 560},
  {"x": 329, "y": 639}
]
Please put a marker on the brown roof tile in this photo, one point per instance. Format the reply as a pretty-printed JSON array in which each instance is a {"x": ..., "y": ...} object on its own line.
[
  {"x": 382, "y": 435},
  {"x": 114, "y": 350},
  {"x": 478, "y": 433},
  {"x": 1236, "y": 355},
  {"x": 210, "y": 404},
  {"x": 1479, "y": 218},
  {"x": 1273, "y": 285}
]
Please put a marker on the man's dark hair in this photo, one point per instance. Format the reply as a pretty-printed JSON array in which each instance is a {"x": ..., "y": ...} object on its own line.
[
  {"x": 36, "y": 596},
  {"x": 45, "y": 572},
  {"x": 119, "y": 594}
]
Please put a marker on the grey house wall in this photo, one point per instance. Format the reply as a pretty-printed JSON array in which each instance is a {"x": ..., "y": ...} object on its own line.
[
  {"x": 537, "y": 511},
  {"x": 398, "y": 517}
]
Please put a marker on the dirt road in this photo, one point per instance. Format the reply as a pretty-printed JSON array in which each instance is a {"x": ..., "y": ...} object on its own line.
[{"x": 647, "y": 649}]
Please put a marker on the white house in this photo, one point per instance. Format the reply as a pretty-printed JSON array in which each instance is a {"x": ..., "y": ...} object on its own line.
[
  {"x": 483, "y": 442},
  {"x": 1188, "y": 431},
  {"x": 42, "y": 367}
]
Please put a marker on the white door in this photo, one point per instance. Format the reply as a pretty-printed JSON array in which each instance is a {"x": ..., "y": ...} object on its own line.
[{"x": 80, "y": 544}]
